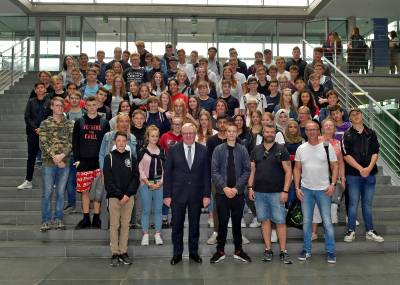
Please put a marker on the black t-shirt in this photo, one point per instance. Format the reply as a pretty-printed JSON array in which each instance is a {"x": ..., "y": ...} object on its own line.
[
  {"x": 272, "y": 102},
  {"x": 233, "y": 103},
  {"x": 270, "y": 176},
  {"x": 137, "y": 75},
  {"x": 263, "y": 89},
  {"x": 212, "y": 143}
]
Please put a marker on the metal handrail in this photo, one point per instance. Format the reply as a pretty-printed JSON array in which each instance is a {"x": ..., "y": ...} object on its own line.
[
  {"x": 14, "y": 45},
  {"x": 14, "y": 63},
  {"x": 372, "y": 100}
]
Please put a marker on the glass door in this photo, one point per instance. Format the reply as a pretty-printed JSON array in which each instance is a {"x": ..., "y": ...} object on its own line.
[
  {"x": 49, "y": 44},
  {"x": 315, "y": 35}
]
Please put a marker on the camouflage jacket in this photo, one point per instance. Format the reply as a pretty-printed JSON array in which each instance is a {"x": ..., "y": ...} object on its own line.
[{"x": 55, "y": 138}]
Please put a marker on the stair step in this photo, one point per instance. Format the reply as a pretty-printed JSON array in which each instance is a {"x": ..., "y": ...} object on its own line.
[{"x": 102, "y": 248}]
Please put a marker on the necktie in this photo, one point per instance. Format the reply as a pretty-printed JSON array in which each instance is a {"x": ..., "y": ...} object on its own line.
[{"x": 189, "y": 156}]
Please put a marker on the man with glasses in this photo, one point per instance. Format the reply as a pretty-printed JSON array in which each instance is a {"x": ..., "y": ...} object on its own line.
[
  {"x": 187, "y": 185},
  {"x": 269, "y": 182},
  {"x": 312, "y": 163}
]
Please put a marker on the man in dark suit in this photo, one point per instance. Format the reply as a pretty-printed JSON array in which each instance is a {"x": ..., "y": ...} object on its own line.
[{"x": 187, "y": 180}]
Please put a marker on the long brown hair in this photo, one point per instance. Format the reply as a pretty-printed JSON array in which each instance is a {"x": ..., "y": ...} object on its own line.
[
  {"x": 200, "y": 132},
  {"x": 122, "y": 90}
]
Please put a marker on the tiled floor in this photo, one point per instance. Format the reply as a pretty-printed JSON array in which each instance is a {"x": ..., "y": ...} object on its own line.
[{"x": 350, "y": 269}]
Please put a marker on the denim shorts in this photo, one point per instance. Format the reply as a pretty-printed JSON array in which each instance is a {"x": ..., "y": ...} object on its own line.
[{"x": 269, "y": 207}]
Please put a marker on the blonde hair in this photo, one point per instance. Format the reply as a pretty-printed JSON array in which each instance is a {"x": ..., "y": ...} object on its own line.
[
  {"x": 118, "y": 120},
  {"x": 151, "y": 128}
]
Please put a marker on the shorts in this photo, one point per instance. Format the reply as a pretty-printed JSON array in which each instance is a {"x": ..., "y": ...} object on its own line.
[
  {"x": 269, "y": 207},
  {"x": 84, "y": 180},
  {"x": 317, "y": 215}
]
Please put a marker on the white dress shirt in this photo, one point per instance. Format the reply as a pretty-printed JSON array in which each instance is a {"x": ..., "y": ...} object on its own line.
[{"x": 186, "y": 149}]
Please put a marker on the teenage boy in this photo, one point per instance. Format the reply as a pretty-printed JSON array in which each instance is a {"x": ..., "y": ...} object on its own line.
[
  {"x": 324, "y": 80},
  {"x": 101, "y": 97},
  {"x": 294, "y": 73},
  {"x": 300, "y": 87},
  {"x": 58, "y": 88},
  {"x": 273, "y": 72},
  {"x": 75, "y": 113},
  {"x": 273, "y": 97},
  {"x": 92, "y": 85},
  {"x": 360, "y": 150},
  {"x": 109, "y": 79},
  {"x": 253, "y": 94},
  {"x": 135, "y": 72},
  {"x": 268, "y": 60},
  {"x": 232, "y": 102},
  {"x": 206, "y": 102},
  {"x": 297, "y": 61},
  {"x": 121, "y": 181},
  {"x": 270, "y": 192},
  {"x": 55, "y": 141},
  {"x": 317, "y": 57},
  {"x": 263, "y": 81},
  {"x": 318, "y": 91},
  {"x": 333, "y": 100},
  {"x": 37, "y": 110},
  {"x": 87, "y": 137},
  {"x": 280, "y": 65},
  {"x": 172, "y": 69},
  {"x": 186, "y": 67},
  {"x": 230, "y": 169},
  {"x": 341, "y": 126},
  {"x": 43, "y": 77}
]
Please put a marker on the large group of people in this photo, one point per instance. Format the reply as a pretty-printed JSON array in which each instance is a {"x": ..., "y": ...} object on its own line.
[{"x": 159, "y": 136}]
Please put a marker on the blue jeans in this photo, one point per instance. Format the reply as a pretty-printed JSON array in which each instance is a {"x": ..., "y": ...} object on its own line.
[
  {"x": 54, "y": 178},
  {"x": 151, "y": 200},
  {"x": 365, "y": 187},
  {"x": 71, "y": 184},
  {"x": 307, "y": 206}
]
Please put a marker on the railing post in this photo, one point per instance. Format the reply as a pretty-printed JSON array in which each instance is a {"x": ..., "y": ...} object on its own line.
[
  {"x": 335, "y": 54},
  {"x": 12, "y": 66},
  {"x": 28, "y": 54},
  {"x": 346, "y": 94},
  {"x": 370, "y": 112}
]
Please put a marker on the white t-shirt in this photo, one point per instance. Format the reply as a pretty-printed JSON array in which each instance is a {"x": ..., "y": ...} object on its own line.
[
  {"x": 285, "y": 73},
  {"x": 260, "y": 98},
  {"x": 240, "y": 78},
  {"x": 188, "y": 69},
  {"x": 314, "y": 165}
]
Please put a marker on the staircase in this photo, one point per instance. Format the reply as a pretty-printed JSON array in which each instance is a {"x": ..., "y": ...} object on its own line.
[{"x": 20, "y": 209}]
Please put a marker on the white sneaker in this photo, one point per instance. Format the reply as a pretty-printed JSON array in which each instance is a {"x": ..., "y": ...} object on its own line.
[
  {"x": 158, "y": 239},
  {"x": 245, "y": 240},
  {"x": 230, "y": 223},
  {"x": 254, "y": 223},
  {"x": 274, "y": 237},
  {"x": 145, "y": 239},
  {"x": 210, "y": 223},
  {"x": 243, "y": 223},
  {"x": 213, "y": 239},
  {"x": 25, "y": 185},
  {"x": 350, "y": 236},
  {"x": 373, "y": 235}
]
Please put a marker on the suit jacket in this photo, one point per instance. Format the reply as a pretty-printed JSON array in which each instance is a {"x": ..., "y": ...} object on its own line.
[{"x": 183, "y": 184}]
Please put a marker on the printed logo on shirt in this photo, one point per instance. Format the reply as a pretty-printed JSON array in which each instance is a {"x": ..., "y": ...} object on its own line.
[{"x": 128, "y": 162}]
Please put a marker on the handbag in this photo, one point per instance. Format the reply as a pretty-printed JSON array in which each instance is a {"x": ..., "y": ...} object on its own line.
[{"x": 294, "y": 217}]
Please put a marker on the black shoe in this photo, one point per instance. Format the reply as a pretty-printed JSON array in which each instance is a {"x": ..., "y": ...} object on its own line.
[
  {"x": 83, "y": 224},
  {"x": 176, "y": 259},
  {"x": 284, "y": 256},
  {"x": 217, "y": 257},
  {"x": 96, "y": 223},
  {"x": 125, "y": 259},
  {"x": 114, "y": 260},
  {"x": 242, "y": 256},
  {"x": 165, "y": 224},
  {"x": 268, "y": 254},
  {"x": 196, "y": 258}
]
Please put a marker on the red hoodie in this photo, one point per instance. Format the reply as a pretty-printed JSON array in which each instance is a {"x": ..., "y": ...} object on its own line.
[{"x": 169, "y": 139}]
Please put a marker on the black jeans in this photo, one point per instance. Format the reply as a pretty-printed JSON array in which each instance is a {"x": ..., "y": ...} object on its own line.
[
  {"x": 33, "y": 149},
  {"x": 230, "y": 208}
]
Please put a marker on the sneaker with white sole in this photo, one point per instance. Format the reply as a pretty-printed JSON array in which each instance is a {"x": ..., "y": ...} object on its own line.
[
  {"x": 25, "y": 185},
  {"x": 230, "y": 223},
  {"x": 45, "y": 227},
  {"x": 254, "y": 223},
  {"x": 158, "y": 239},
  {"x": 350, "y": 236},
  {"x": 274, "y": 237},
  {"x": 331, "y": 257},
  {"x": 242, "y": 256},
  {"x": 210, "y": 223},
  {"x": 145, "y": 240},
  {"x": 212, "y": 239},
  {"x": 303, "y": 256},
  {"x": 245, "y": 240},
  {"x": 374, "y": 236},
  {"x": 218, "y": 257},
  {"x": 243, "y": 223}
]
